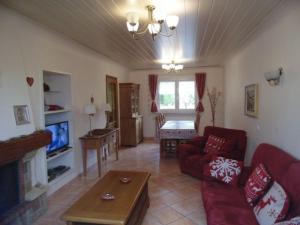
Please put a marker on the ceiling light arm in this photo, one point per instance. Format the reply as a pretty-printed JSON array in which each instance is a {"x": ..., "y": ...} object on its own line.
[{"x": 154, "y": 25}]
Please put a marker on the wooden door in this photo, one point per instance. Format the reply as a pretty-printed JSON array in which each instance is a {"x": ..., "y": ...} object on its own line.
[{"x": 112, "y": 99}]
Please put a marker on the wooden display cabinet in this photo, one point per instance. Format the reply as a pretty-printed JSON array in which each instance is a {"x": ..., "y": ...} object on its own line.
[{"x": 131, "y": 120}]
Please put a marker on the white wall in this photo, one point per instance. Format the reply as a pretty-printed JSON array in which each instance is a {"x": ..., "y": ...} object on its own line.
[
  {"x": 26, "y": 49},
  {"x": 214, "y": 78},
  {"x": 279, "y": 108}
]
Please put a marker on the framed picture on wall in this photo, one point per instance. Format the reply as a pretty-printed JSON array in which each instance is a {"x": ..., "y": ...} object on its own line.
[
  {"x": 251, "y": 100},
  {"x": 21, "y": 114}
]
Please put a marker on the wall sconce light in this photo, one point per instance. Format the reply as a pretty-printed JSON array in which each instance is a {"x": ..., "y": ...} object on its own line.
[{"x": 273, "y": 78}]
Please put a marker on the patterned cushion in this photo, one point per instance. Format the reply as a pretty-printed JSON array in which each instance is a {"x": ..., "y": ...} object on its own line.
[
  {"x": 223, "y": 169},
  {"x": 214, "y": 144},
  {"x": 257, "y": 184},
  {"x": 273, "y": 206},
  {"x": 293, "y": 221}
]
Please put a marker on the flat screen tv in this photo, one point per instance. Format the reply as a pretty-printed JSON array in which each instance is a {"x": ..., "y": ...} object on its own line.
[{"x": 60, "y": 136}]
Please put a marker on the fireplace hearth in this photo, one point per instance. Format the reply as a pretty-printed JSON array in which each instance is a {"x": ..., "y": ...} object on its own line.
[{"x": 16, "y": 208}]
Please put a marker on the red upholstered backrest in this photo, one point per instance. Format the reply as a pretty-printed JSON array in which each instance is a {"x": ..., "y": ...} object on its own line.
[
  {"x": 291, "y": 184},
  {"x": 276, "y": 161},
  {"x": 239, "y": 135},
  {"x": 284, "y": 169}
]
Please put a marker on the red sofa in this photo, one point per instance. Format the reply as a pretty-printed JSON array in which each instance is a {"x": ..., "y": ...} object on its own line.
[
  {"x": 226, "y": 205},
  {"x": 191, "y": 155}
]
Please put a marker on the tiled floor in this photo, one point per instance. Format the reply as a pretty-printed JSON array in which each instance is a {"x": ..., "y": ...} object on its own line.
[{"x": 175, "y": 198}]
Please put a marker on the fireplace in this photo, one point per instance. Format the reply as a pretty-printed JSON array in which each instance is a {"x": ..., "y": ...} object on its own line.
[
  {"x": 9, "y": 187},
  {"x": 20, "y": 203}
]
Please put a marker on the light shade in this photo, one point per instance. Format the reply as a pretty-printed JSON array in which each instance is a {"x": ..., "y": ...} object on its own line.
[
  {"x": 106, "y": 107},
  {"x": 172, "y": 21},
  {"x": 154, "y": 28},
  {"x": 90, "y": 109},
  {"x": 132, "y": 27}
]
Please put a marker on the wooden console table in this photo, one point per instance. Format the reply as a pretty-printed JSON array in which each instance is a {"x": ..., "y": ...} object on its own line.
[{"x": 96, "y": 141}]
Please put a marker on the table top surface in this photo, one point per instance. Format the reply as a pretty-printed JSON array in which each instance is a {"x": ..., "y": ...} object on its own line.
[
  {"x": 178, "y": 125},
  {"x": 90, "y": 208},
  {"x": 100, "y": 133}
]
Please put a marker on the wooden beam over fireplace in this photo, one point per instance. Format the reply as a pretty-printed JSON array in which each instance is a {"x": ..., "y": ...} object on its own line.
[{"x": 16, "y": 148}]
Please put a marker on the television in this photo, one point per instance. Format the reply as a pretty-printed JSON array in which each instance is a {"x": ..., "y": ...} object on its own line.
[{"x": 60, "y": 136}]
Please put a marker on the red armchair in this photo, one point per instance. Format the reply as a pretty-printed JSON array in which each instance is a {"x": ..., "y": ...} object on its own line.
[{"x": 192, "y": 157}]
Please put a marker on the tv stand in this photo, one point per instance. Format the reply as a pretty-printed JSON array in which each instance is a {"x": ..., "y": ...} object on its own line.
[{"x": 58, "y": 152}]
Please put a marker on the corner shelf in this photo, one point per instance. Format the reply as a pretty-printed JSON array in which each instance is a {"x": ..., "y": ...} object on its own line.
[{"x": 57, "y": 111}]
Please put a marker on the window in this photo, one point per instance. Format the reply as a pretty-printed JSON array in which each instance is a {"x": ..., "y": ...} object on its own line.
[{"x": 177, "y": 95}]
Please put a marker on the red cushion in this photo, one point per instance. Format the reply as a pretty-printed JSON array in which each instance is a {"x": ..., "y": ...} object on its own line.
[
  {"x": 257, "y": 184},
  {"x": 273, "y": 206},
  {"x": 214, "y": 144},
  {"x": 223, "y": 169}
]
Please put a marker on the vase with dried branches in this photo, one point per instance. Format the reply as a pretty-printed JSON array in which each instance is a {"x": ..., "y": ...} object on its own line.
[{"x": 213, "y": 96}]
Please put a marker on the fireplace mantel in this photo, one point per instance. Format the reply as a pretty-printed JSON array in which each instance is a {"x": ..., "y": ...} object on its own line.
[{"x": 16, "y": 148}]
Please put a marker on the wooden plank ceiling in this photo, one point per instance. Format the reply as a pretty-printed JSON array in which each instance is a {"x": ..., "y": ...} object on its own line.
[{"x": 207, "y": 32}]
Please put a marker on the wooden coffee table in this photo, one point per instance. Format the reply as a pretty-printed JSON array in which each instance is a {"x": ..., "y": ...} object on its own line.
[{"x": 128, "y": 208}]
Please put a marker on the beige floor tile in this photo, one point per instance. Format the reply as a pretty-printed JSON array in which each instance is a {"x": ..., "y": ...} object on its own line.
[
  {"x": 166, "y": 215},
  {"x": 186, "y": 207},
  {"x": 183, "y": 221},
  {"x": 198, "y": 217}
]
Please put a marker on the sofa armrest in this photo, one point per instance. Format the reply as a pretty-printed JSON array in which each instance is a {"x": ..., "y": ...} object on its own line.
[
  {"x": 185, "y": 150},
  {"x": 246, "y": 172},
  {"x": 199, "y": 141}
]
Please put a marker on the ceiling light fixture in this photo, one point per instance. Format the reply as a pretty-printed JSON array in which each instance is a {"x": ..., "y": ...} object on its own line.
[
  {"x": 154, "y": 25},
  {"x": 172, "y": 67}
]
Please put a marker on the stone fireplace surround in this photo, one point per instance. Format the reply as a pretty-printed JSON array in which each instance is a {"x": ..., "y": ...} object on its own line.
[{"x": 19, "y": 151}]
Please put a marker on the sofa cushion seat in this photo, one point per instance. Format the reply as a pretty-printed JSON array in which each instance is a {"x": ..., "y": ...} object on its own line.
[
  {"x": 234, "y": 215},
  {"x": 222, "y": 202}
]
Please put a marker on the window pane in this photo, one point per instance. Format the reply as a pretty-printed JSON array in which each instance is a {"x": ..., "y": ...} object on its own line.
[
  {"x": 186, "y": 94},
  {"x": 167, "y": 95}
]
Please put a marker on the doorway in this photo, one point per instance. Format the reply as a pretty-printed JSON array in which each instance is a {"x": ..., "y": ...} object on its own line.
[{"x": 112, "y": 100}]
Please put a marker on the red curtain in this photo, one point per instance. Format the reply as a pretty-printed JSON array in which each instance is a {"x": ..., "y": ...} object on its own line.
[
  {"x": 153, "y": 88},
  {"x": 200, "y": 86}
]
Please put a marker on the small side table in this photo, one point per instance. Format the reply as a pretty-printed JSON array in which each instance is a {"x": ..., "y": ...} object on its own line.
[{"x": 95, "y": 142}]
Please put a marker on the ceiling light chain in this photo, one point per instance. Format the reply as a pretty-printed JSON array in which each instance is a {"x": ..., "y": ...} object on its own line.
[{"x": 154, "y": 25}]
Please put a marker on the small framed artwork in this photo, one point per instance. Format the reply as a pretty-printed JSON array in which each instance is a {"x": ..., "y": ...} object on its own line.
[
  {"x": 251, "y": 100},
  {"x": 21, "y": 114}
]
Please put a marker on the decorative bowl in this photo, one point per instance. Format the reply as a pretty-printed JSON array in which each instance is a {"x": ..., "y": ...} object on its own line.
[
  {"x": 125, "y": 180},
  {"x": 107, "y": 196}
]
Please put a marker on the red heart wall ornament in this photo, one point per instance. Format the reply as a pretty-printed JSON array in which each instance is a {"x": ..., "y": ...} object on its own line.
[{"x": 30, "y": 81}]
